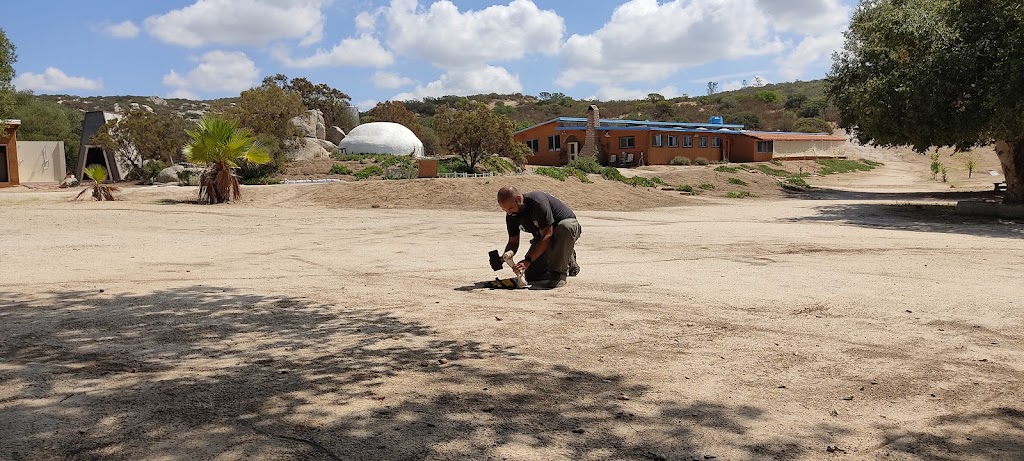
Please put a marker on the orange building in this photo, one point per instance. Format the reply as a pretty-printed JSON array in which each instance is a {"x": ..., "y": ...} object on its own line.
[
  {"x": 629, "y": 143},
  {"x": 9, "y": 154}
]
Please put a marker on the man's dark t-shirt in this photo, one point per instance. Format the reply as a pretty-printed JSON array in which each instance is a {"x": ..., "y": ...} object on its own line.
[{"x": 540, "y": 210}]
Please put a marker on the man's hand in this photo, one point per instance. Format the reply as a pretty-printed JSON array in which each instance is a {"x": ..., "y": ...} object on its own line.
[{"x": 521, "y": 267}]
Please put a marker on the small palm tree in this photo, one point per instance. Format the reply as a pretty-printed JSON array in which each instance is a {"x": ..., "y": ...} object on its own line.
[
  {"x": 218, "y": 143},
  {"x": 100, "y": 191}
]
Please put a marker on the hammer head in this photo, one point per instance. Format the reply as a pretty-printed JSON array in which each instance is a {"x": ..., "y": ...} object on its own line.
[{"x": 496, "y": 262}]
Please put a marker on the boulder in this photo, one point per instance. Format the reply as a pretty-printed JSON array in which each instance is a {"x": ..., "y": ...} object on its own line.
[
  {"x": 305, "y": 149},
  {"x": 335, "y": 135},
  {"x": 69, "y": 181},
  {"x": 328, "y": 146},
  {"x": 169, "y": 174},
  {"x": 311, "y": 124}
]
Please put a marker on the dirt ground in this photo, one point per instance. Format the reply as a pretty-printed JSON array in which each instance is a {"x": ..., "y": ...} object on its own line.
[{"x": 861, "y": 321}]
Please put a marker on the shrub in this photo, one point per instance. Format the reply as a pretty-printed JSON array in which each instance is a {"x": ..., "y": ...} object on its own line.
[
  {"x": 833, "y": 166},
  {"x": 338, "y": 168},
  {"x": 264, "y": 181},
  {"x": 871, "y": 162},
  {"x": 452, "y": 165},
  {"x": 726, "y": 169},
  {"x": 552, "y": 172},
  {"x": 706, "y": 186},
  {"x": 188, "y": 178},
  {"x": 612, "y": 174},
  {"x": 151, "y": 169},
  {"x": 776, "y": 162},
  {"x": 642, "y": 181},
  {"x": 741, "y": 194},
  {"x": 684, "y": 188},
  {"x": 772, "y": 171},
  {"x": 812, "y": 125},
  {"x": 701, "y": 161},
  {"x": 499, "y": 165},
  {"x": 797, "y": 182},
  {"x": 681, "y": 161},
  {"x": 372, "y": 170},
  {"x": 737, "y": 181},
  {"x": 579, "y": 174},
  {"x": 586, "y": 165}
]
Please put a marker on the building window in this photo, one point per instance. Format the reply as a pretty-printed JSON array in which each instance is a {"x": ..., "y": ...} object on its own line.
[
  {"x": 687, "y": 141},
  {"x": 554, "y": 142},
  {"x": 533, "y": 144},
  {"x": 673, "y": 141},
  {"x": 716, "y": 142},
  {"x": 764, "y": 147},
  {"x": 627, "y": 142},
  {"x": 657, "y": 141},
  {"x": 703, "y": 141}
]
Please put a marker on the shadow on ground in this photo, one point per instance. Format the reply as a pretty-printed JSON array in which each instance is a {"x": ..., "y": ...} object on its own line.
[
  {"x": 204, "y": 372},
  {"x": 997, "y": 434},
  {"x": 915, "y": 217},
  {"x": 825, "y": 193}
]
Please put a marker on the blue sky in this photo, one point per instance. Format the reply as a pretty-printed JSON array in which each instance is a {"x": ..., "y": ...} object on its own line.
[{"x": 376, "y": 50}]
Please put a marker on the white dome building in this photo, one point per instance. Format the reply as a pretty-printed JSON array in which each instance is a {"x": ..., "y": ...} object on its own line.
[{"x": 382, "y": 138}]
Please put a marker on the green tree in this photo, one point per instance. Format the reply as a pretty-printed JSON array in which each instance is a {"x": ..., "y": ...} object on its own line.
[
  {"x": 663, "y": 110},
  {"x": 768, "y": 96},
  {"x": 655, "y": 97},
  {"x": 268, "y": 109},
  {"x": 795, "y": 101},
  {"x": 48, "y": 121},
  {"x": 395, "y": 112},
  {"x": 8, "y": 57},
  {"x": 219, "y": 143},
  {"x": 712, "y": 88},
  {"x": 333, "y": 103},
  {"x": 812, "y": 125},
  {"x": 476, "y": 134},
  {"x": 936, "y": 73},
  {"x": 141, "y": 135}
]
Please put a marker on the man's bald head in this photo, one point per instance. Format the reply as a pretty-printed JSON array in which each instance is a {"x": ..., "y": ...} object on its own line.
[
  {"x": 507, "y": 193},
  {"x": 510, "y": 200}
]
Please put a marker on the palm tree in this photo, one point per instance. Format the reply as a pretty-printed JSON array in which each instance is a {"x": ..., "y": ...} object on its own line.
[
  {"x": 217, "y": 143},
  {"x": 100, "y": 191}
]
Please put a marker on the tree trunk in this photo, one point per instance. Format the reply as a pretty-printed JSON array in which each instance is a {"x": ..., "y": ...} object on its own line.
[{"x": 1011, "y": 156}]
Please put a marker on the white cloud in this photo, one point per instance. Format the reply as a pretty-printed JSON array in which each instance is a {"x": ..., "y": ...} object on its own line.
[
  {"x": 366, "y": 105},
  {"x": 651, "y": 41},
  {"x": 467, "y": 81},
  {"x": 239, "y": 22},
  {"x": 364, "y": 51},
  {"x": 218, "y": 73},
  {"x": 366, "y": 22},
  {"x": 449, "y": 38},
  {"x": 125, "y": 29},
  {"x": 615, "y": 93},
  {"x": 54, "y": 79},
  {"x": 391, "y": 80},
  {"x": 648, "y": 41},
  {"x": 810, "y": 51}
]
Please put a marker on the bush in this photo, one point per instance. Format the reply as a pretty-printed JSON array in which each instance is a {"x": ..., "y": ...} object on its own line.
[
  {"x": 612, "y": 174},
  {"x": 552, "y": 172},
  {"x": 264, "y": 181},
  {"x": 151, "y": 169},
  {"x": 642, "y": 181},
  {"x": 797, "y": 182},
  {"x": 833, "y": 166},
  {"x": 871, "y": 162},
  {"x": 737, "y": 181},
  {"x": 726, "y": 169},
  {"x": 707, "y": 186},
  {"x": 586, "y": 164},
  {"x": 452, "y": 165},
  {"x": 812, "y": 125},
  {"x": 499, "y": 165},
  {"x": 372, "y": 170},
  {"x": 773, "y": 171},
  {"x": 188, "y": 178},
  {"x": 278, "y": 159},
  {"x": 684, "y": 188},
  {"x": 701, "y": 161},
  {"x": 681, "y": 161},
  {"x": 338, "y": 168},
  {"x": 741, "y": 194}
]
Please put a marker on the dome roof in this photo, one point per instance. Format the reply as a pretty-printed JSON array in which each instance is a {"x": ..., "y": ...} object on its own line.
[{"x": 382, "y": 138}]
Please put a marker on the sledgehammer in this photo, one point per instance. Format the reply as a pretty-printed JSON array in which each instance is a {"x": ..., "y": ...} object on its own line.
[{"x": 496, "y": 263}]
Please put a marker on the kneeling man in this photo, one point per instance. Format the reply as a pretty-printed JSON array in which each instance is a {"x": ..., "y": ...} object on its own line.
[{"x": 554, "y": 227}]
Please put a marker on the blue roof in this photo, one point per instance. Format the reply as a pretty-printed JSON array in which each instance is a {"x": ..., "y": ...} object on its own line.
[{"x": 641, "y": 125}]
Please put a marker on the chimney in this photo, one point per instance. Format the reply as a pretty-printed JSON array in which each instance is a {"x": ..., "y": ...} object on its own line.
[{"x": 590, "y": 148}]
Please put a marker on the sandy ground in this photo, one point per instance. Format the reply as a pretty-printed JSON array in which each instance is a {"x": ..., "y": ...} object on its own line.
[{"x": 300, "y": 325}]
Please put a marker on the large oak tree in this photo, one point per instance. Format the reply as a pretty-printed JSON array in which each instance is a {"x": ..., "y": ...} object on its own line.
[{"x": 931, "y": 73}]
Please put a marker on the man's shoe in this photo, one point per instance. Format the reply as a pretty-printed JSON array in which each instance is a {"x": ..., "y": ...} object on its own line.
[
  {"x": 574, "y": 270},
  {"x": 556, "y": 281}
]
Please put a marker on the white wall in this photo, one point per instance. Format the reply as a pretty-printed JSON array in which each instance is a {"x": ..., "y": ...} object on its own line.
[
  {"x": 808, "y": 148},
  {"x": 41, "y": 161}
]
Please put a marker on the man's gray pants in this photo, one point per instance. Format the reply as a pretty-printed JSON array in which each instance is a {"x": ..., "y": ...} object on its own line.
[{"x": 560, "y": 255}]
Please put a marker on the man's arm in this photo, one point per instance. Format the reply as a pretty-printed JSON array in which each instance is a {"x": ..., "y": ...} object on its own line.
[
  {"x": 513, "y": 244},
  {"x": 537, "y": 249}
]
